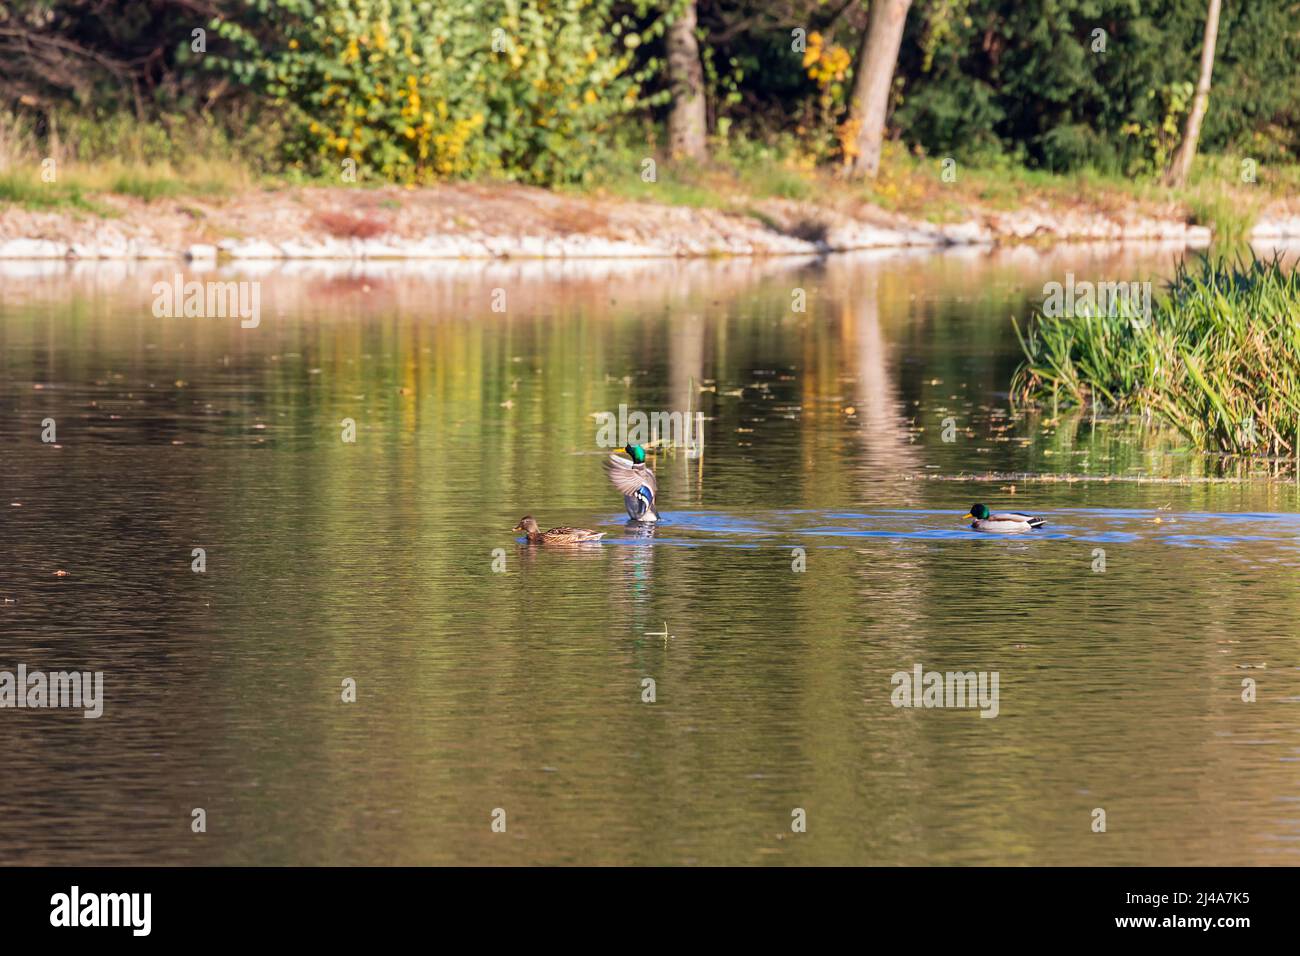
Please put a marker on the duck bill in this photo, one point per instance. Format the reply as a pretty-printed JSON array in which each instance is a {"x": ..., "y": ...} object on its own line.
[{"x": 968, "y": 515}]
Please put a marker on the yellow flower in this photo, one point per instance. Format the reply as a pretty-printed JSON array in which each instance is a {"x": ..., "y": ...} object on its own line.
[
  {"x": 293, "y": 44},
  {"x": 813, "y": 51}
]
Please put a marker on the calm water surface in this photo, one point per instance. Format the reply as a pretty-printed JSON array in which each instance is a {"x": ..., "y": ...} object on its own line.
[{"x": 1119, "y": 689}]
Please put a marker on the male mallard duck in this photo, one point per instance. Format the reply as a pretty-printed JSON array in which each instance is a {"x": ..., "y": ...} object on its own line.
[
  {"x": 636, "y": 481},
  {"x": 556, "y": 535},
  {"x": 1007, "y": 521}
]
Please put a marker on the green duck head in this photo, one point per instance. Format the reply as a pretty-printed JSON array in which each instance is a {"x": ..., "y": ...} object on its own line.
[
  {"x": 636, "y": 453},
  {"x": 979, "y": 512}
]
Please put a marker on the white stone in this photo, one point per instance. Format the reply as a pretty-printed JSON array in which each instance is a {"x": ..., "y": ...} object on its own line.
[{"x": 32, "y": 249}]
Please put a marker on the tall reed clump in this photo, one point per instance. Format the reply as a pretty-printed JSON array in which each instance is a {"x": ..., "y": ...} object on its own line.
[{"x": 1218, "y": 358}]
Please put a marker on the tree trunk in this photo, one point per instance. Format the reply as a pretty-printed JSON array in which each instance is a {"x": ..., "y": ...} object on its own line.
[
  {"x": 686, "y": 118},
  {"x": 1182, "y": 164},
  {"x": 872, "y": 78}
]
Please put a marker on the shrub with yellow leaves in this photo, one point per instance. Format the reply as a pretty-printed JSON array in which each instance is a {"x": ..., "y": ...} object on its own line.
[
  {"x": 415, "y": 91},
  {"x": 829, "y": 65}
]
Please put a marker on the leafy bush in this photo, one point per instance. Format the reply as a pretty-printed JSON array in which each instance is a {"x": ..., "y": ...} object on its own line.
[
  {"x": 416, "y": 90},
  {"x": 1077, "y": 146}
]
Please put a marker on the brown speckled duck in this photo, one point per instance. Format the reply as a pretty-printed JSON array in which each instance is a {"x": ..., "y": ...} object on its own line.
[{"x": 556, "y": 535}]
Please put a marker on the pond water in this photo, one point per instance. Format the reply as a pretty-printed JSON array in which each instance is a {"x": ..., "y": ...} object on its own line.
[{"x": 815, "y": 550}]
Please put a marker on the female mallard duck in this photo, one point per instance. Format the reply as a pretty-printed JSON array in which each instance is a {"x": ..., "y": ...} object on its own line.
[
  {"x": 1007, "y": 521},
  {"x": 556, "y": 535},
  {"x": 636, "y": 482}
]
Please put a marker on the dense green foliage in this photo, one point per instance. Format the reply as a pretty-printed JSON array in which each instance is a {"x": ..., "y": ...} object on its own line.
[
  {"x": 1033, "y": 79},
  {"x": 541, "y": 90},
  {"x": 1219, "y": 357},
  {"x": 413, "y": 90}
]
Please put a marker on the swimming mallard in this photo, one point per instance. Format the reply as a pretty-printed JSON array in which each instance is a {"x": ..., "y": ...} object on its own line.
[
  {"x": 636, "y": 482},
  {"x": 1007, "y": 521},
  {"x": 555, "y": 535}
]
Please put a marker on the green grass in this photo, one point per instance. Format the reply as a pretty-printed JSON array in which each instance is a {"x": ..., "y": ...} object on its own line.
[
  {"x": 777, "y": 180},
  {"x": 668, "y": 190},
  {"x": 1228, "y": 215},
  {"x": 732, "y": 179},
  {"x": 31, "y": 192},
  {"x": 22, "y": 184},
  {"x": 146, "y": 187},
  {"x": 1219, "y": 358},
  {"x": 673, "y": 184}
]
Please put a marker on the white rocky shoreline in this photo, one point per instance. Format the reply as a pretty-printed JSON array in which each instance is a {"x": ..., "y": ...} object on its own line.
[{"x": 519, "y": 223}]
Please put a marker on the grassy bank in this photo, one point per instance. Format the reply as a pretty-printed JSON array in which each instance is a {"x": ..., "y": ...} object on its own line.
[
  {"x": 908, "y": 186},
  {"x": 916, "y": 186},
  {"x": 176, "y": 159},
  {"x": 1218, "y": 358},
  {"x": 87, "y": 158},
  {"x": 78, "y": 185}
]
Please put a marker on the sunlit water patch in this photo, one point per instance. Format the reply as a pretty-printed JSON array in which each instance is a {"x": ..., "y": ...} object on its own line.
[
  {"x": 1265, "y": 536},
  {"x": 815, "y": 550}
]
